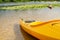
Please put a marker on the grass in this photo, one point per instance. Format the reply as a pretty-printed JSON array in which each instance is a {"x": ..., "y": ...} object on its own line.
[{"x": 25, "y": 7}]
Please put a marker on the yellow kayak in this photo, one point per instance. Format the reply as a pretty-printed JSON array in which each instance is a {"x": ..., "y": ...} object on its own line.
[{"x": 42, "y": 30}]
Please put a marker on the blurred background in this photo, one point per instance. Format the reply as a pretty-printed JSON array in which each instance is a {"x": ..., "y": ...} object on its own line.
[{"x": 12, "y": 10}]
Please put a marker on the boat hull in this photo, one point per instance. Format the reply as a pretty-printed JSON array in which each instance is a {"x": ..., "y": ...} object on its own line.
[{"x": 38, "y": 31}]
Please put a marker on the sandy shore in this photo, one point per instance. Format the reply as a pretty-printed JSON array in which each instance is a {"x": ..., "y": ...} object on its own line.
[{"x": 9, "y": 21}]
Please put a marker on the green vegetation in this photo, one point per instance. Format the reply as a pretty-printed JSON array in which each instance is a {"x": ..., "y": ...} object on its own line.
[
  {"x": 2, "y": 1},
  {"x": 25, "y": 7}
]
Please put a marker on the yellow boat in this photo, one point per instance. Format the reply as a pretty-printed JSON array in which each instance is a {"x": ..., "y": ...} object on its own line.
[{"x": 42, "y": 30}]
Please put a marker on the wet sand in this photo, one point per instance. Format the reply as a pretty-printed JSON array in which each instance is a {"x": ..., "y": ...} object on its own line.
[{"x": 9, "y": 22}]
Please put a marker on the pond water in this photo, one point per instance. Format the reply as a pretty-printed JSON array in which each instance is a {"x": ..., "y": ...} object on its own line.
[{"x": 9, "y": 21}]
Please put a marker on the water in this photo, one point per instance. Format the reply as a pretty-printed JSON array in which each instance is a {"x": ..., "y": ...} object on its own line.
[
  {"x": 9, "y": 22},
  {"x": 28, "y": 3}
]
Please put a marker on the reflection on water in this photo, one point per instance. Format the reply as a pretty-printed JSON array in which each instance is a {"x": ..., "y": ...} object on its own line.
[{"x": 9, "y": 21}]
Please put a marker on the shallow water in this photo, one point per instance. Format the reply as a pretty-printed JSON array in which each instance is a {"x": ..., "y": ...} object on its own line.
[{"x": 9, "y": 22}]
